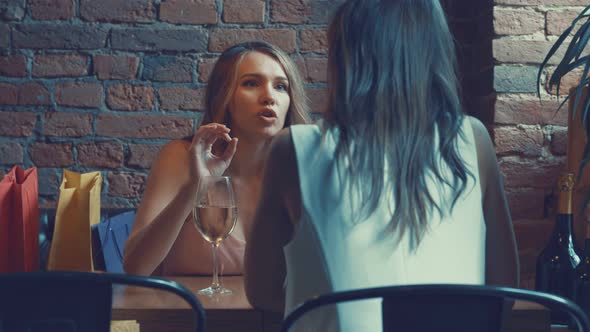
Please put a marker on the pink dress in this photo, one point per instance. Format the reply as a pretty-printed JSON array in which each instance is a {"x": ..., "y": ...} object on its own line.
[{"x": 192, "y": 255}]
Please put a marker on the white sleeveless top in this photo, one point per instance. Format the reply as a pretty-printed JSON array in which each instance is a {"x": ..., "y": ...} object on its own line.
[{"x": 329, "y": 253}]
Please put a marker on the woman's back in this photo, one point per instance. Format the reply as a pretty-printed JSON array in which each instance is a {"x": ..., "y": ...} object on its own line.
[{"x": 341, "y": 255}]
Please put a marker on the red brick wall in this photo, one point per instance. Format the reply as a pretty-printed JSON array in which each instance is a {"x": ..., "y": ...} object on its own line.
[
  {"x": 530, "y": 136},
  {"x": 101, "y": 85}
]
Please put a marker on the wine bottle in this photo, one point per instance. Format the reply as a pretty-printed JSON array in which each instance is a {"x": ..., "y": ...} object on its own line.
[
  {"x": 582, "y": 295},
  {"x": 555, "y": 270}
]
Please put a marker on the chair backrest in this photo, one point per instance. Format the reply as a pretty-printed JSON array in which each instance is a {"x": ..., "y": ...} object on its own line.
[
  {"x": 443, "y": 307},
  {"x": 73, "y": 301}
]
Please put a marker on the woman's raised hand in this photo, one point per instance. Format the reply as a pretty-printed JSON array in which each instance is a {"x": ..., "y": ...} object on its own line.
[{"x": 203, "y": 161}]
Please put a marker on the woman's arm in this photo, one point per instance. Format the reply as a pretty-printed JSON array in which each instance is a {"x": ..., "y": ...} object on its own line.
[
  {"x": 502, "y": 267},
  {"x": 166, "y": 202},
  {"x": 272, "y": 228},
  {"x": 170, "y": 196}
]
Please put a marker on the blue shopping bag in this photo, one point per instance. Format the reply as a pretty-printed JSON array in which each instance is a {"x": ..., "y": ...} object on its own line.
[{"x": 113, "y": 233}]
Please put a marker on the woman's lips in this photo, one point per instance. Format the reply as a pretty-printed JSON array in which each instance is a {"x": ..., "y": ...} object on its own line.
[{"x": 267, "y": 113}]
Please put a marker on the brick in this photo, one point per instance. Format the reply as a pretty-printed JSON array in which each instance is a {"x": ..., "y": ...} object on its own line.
[
  {"x": 143, "y": 126},
  {"x": 526, "y": 202},
  {"x": 518, "y": 21},
  {"x": 118, "y": 10},
  {"x": 13, "y": 65},
  {"x": 518, "y": 109},
  {"x": 527, "y": 141},
  {"x": 100, "y": 154},
  {"x": 243, "y": 11},
  {"x": 509, "y": 50},
  {"x": 542, "y": 2},
  {"x": 34, "y": 94},
  {"x": 49, "y": 181},
  {"x": 166, "y": 68},
  {"x": 51, "y": 154},
  {"x": 205, "y": 68},
  {"x": 188, "y": 11},
  {"x": 51, "y": 9},
  {"x": 60, "y": 65},
  {"x": 114, "y": 67},
  {"x": 63, "y": 124},
  {"x": 12, "y": 10},
  {"x": 63, "y": 36},
  {"x": 17, "y": 124},
  {"x": 126, "y": 184},
  {"x": 49, "y": 203},
  {"x": 316, "y": 70},
  {"x": 540, "y": 173},
  {"x": 313, "y": 41},
  {"x": 11, "y": 153},
  {"x": 559, "y": 20},
  {"x": 142, "y": 155},
  {"x": 8, "y": 94},
  {"x": 290, "y": 11},
  {"x": 4, "y": 36},
  {"x": 515, "y": 79},
  {"x": 322, "y": 11},
  {"x": 559, "y": 141},
  {"x": 78, "y": 94},
  {"x": 318, "y": 99},
  {"x": 222, "y": 39},
  {"x": 127, "y": 97},
  {"x": 568, "y": 81},
  {"x": 176, "y": 98},
  {"x": 118, "y": 203},
  {"x": 150, "y": 39}
]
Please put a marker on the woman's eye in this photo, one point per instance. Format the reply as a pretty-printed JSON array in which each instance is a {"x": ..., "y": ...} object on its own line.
[
  {"x": 282, "y": 87},
  {"x": 250, "y": 83}
]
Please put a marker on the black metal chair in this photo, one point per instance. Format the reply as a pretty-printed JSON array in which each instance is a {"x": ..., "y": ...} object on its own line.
[
  {"x": 73, "y": 301},
  {"x": 458, "y": 308}
]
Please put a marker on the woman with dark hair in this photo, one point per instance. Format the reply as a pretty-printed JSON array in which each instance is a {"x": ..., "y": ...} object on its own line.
[
  {"x": 253, "y": 92},
  {"x": 396, "y": 186}
]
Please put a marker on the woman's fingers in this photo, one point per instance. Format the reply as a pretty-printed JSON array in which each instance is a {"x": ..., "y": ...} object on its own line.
[
  {"x": 230, "y": 150},
  {"x": 209, "y": 133}
]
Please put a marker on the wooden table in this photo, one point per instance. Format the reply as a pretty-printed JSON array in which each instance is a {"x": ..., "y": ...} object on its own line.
[{"x": 162, "y": 312}]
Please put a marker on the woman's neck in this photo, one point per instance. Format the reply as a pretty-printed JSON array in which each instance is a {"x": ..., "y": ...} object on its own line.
[{"x": 250, "y": 157}]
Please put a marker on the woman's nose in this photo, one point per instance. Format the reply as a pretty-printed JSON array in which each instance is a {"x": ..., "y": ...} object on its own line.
[{"x": 268, "y": 96}]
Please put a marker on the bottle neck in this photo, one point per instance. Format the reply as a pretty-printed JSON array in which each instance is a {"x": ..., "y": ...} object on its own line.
[
  {"x": 566, "y": 191},
  {"x": 564, "y": 228}
]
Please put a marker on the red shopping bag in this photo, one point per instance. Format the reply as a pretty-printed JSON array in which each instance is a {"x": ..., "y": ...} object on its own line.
[{"x": 19, "y": 221}]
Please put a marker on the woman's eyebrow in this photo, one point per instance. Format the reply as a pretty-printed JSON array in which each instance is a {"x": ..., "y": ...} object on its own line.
[{"x": 255, "y": 75}]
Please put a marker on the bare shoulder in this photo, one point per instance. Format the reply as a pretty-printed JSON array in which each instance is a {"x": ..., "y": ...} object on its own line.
[
  {"x": 479, "y": 130},
  {"x": 486, "y": 153}
]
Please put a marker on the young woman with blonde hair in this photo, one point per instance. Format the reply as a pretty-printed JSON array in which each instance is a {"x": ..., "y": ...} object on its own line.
[{"x": 253, "y": 92}]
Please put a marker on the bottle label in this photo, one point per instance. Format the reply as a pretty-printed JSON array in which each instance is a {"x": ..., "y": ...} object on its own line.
[{"x": 566, "y": 189}]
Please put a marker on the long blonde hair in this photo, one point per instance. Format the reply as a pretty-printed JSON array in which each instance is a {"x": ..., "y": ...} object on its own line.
[{"x": 222, "y": 83}]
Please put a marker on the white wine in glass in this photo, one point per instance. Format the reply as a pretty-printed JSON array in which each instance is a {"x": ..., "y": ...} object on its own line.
[{"x": 215, "y": 215}]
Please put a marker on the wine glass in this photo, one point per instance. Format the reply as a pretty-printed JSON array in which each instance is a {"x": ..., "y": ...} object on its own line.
[{"x": 215, "y": 216}]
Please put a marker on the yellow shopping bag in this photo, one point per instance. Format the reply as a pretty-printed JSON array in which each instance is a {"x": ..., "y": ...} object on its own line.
[{"x": 78, "y": 207}]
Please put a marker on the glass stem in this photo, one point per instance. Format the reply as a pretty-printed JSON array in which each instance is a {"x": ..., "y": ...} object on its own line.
[{"x": 215, "y": 284}]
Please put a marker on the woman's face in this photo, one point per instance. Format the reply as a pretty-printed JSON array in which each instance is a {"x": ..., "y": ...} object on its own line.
[{"x": 259, "y": 105}]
